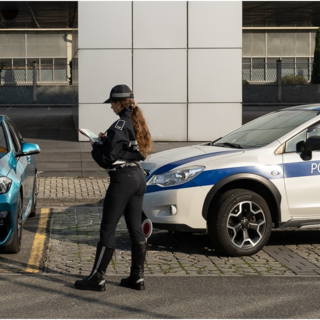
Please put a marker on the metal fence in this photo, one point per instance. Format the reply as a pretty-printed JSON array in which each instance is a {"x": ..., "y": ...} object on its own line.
[
  {"x": 266, "y": 73},
  {"x": 59, "y": 74},
  {"x": 22, "y": 75}
]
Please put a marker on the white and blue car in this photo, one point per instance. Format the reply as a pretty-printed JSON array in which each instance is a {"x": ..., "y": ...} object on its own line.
[
  {"x": 18, "y": 188},
  {"x": 264, "y": 175}
]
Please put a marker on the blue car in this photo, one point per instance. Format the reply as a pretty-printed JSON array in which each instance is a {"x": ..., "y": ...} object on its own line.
[{"x": 18, "y": 184}]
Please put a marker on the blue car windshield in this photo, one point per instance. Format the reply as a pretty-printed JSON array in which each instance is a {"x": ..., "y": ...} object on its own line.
[
  {"x": 3, "y": 143},
  {"x": 266, "y": 129}
]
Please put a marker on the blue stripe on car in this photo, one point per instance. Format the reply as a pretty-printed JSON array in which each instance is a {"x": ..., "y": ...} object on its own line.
[
  {"x": 178, "y": 163},
  {"x": 302, "y": 169},
  {"x": 211, "y": 177}
]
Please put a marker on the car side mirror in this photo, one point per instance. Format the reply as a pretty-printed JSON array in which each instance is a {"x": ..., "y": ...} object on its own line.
[
  {"x": 300, "y": 146},
  {"x": 28, "y": 149},
  {"x": 312, "y": 144}
]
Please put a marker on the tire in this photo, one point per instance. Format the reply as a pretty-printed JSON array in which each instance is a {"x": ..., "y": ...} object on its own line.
[
  {"x": 34, "y": 199},
  {"x": 240, "y": 223},
  {"x": 15, "y": 245}
]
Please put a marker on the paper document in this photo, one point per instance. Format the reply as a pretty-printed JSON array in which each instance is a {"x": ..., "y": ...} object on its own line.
[{"x": 91, "y": 135}]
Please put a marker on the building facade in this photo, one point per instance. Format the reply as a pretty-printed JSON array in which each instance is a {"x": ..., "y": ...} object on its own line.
[
  {"x": 263, "y": 47},
  {"x": 182, "y": 60},
  {"x": 50, "y": 49},
  {"x": 186, "y": 61}
]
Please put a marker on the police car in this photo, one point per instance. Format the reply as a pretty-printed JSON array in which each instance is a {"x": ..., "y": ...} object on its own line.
[{"x": 264, "y": 175}]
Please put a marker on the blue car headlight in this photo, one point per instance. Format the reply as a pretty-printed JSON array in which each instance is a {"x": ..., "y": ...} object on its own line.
[
  {"x": 175, "y": 177},
  {"x": 5, "y": 184}
]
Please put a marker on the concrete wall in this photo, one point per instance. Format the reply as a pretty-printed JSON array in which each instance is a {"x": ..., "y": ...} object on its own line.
[
  {"x": 180, "y": 58},
  {"x": 45, "y": 95},
  {"x": 290, "y": 94}
]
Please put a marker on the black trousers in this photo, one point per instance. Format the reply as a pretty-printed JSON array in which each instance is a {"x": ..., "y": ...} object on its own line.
[{"x": 124, "y": 196}]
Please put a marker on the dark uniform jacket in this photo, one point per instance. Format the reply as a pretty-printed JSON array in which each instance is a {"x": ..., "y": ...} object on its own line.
[{"x": 120, "y": 143}]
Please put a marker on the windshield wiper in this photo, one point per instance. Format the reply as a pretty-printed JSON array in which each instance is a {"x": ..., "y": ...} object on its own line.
[{"x": 228, "y": 144}]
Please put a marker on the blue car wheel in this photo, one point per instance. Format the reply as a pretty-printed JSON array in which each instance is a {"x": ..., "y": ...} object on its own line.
[{"x": 15, "y": 245}]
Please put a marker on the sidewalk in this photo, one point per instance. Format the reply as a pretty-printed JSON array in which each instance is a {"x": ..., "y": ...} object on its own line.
[
  {"x": 76, "y": 210},
  {"x": 74, "y": 233}
]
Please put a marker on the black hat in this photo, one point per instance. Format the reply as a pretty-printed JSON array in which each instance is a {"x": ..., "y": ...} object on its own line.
[{"x": 120, "y": 91}]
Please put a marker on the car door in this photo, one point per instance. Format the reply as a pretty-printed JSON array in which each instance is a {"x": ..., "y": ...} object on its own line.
[
  {"x": 302, "y": 178},
  {"x": 23, "y": 165}
]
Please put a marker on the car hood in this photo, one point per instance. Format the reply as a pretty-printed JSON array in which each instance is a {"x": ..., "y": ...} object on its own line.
[{"x": 186, "y": 156}]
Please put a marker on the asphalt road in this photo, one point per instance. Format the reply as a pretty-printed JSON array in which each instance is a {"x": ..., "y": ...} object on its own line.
[
  {"x": 46, "y": 296},
  {"x": 13, "y": 263},
  {"x": 53, "y": 296}
]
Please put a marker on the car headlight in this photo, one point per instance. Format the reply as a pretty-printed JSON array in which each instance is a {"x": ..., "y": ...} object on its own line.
[
  {"x": 5, "y": 184},
  {"x": 176, "y": 177}
]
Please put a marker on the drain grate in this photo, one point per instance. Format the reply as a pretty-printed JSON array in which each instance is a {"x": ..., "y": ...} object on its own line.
[{"x": 291, "y": 260}]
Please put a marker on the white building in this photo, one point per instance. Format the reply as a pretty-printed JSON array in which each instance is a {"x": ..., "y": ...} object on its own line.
[{"x": 182, "y": 59}]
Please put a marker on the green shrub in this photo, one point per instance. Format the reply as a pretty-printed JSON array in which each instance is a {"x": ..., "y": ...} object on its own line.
[
  {"x": 245, "y": 82},
  {"x": 292, "y": 79}
]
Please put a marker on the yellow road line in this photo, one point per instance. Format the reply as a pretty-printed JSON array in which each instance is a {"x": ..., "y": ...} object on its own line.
[{"x": 38, "y": 242}]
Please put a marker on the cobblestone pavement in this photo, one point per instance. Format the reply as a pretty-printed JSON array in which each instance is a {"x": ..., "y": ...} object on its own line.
[
  {"x": 83, "y": 190},
  {"x": 76, "y": 210}
]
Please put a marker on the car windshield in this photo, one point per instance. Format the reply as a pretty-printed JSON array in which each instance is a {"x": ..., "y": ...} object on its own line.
[{"x": 266, "y": 129}]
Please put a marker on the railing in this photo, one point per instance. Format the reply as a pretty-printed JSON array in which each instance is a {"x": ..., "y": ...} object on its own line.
[
  {"x": 11, "y": 75},
  {"x": 266, "y": 73},
  {"x": 59, "y": 74}
]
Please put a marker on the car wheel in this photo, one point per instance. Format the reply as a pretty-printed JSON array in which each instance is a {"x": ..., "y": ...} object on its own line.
[
  {"x": 34, "y": 198},
  {"x": 240, "y": 223},
  {"x": 15, "y": 245}
]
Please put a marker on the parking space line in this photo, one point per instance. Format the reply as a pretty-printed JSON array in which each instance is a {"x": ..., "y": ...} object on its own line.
[{"x": 38, "y": 242}]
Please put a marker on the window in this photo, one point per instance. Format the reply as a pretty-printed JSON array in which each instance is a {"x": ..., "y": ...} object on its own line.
[
  {"x": 5, "y": 71},
  {"x": 258, "y": 69},
  {"x": 19, "y": 71},
  {"x": 29, "y": 64},
  {"x": 294, "y": 47},
  {"x": 18, "y": 50},
  {"x": 15, "y": 136},
  {"x": 12, "y": 44},
  {"x": 254, "y": 43},
  {"x": 46, "y": 44},
  {"x": 288, "y": 66},
  {"x": 3, "y": 142},
  {"x": 291, "y": 145}
]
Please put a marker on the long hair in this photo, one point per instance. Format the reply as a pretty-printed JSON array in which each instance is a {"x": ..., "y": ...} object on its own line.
[{"x": 143, "y": 135}]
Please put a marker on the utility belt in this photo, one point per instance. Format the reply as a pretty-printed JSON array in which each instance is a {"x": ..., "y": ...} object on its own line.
[{"x": 123, "y": 164}]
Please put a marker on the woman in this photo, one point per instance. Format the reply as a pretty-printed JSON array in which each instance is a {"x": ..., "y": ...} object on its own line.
[{"x": 125, "y": 144}]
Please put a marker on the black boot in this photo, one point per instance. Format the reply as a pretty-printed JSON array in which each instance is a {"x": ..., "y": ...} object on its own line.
[
  {"x": 95, "y": 281},
  {"x": 138, "y": 256}
]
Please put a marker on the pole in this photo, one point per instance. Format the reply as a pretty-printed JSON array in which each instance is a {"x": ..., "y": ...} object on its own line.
[
  {"x": 35, "y": 81},
  {"x": 279, "y": 80}
]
